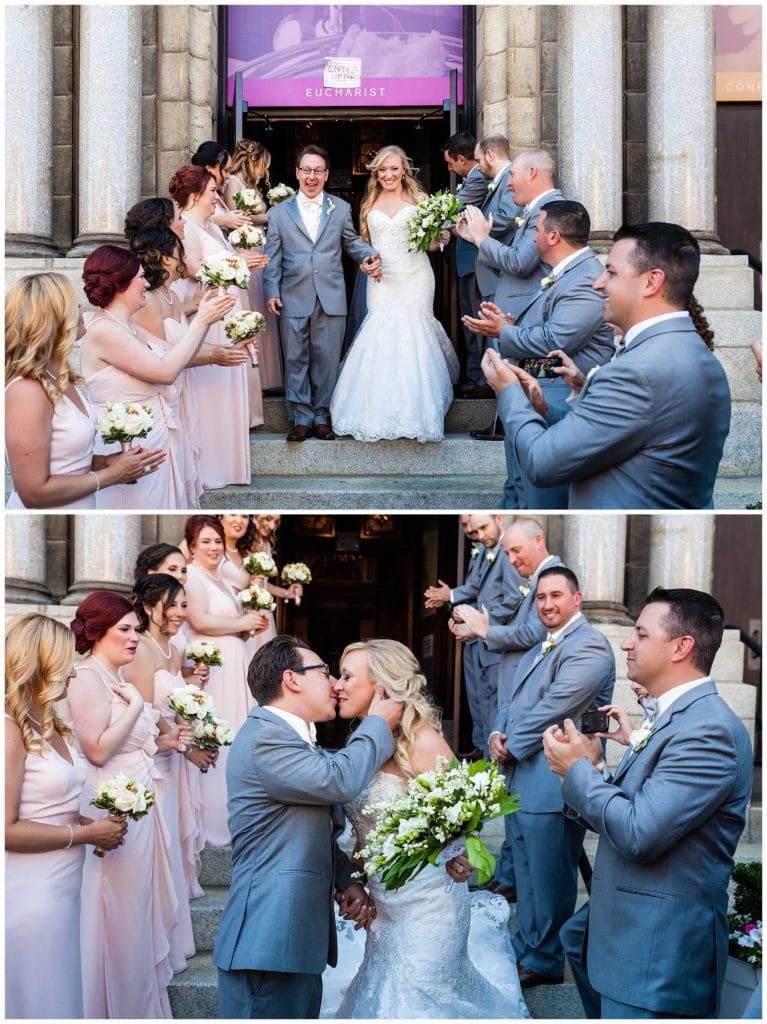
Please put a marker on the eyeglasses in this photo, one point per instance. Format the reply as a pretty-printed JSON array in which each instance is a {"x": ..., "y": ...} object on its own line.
[
  {"x": 307, "y": 668},
  {"x": 312, "y": 172}
]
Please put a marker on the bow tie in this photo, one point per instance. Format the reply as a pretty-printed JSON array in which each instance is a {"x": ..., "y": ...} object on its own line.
[
  {"x": 650, "y": 706},
  {"x": 619, "y": 344},
  {"x": 305, "y": 201}
]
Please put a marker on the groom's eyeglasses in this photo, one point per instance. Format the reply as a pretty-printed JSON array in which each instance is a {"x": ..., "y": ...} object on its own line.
[
  {"x": 312, "y": 172},
  {"x": 307, "y": 668}
]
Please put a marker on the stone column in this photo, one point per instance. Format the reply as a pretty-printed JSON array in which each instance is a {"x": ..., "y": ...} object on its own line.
[
  {"x": 29, "y": 131},
  {"x": 681, "y": 551},
  {"x": 109, "y": 118},
  {"x": 595, "y": 549},
  {"x": 105, "y": 551},
  {"x": 590, "y": 72},
  {"x": 25, "y": 559},
  {"x": 681, "y": 118}
]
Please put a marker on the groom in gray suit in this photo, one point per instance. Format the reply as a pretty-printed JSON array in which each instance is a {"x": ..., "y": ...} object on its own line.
[
  {"x": 304, "y": 286},
  {"x": 277, "y": 931},
  {"x": 571, "y": 671},
  {"x": 669, "y": 820}
]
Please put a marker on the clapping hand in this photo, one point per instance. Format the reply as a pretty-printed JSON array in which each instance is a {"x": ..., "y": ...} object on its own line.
[
  {"x": 500, "y": 374},
  {"x": 472, "y": 226},
  {"x": 214, "y": 305},
  {"x": 475, "y": 622},
  {"x": 354, "y": 904},
  {"x": 437, "y": 596},
  {"x": 490, "y": 320},
  {"x": 563, "y": 748}
]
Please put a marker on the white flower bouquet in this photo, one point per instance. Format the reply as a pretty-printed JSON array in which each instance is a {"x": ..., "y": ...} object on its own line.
[
  {"x": 212, "y": 733},
  {"x": 247, "y": 200},
  {"x": 243, "y": 326},
  {"x": 432, "y": 215},
  {"x": 125, "y": 422},
  {"x": 223, "y": 270},
  {"x": 190, "y": 702},
  {"x": 260, "y": 563},
  {"x": 257, "y": 599},
  {"x": 296, "y": 572},
  {"x": 279, "y": 194},
  {"x": 204, "y": 652},
  {"x": 122, "y": 795},
  {"x": 440, "y": 807},
  {"x": 246, "y": 237}
]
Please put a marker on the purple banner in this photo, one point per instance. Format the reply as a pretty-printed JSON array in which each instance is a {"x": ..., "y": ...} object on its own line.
[{"x": 344, "y": 55}]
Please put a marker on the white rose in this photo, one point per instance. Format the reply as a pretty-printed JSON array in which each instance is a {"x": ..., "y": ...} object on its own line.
[{"x": 125, "y": 801}]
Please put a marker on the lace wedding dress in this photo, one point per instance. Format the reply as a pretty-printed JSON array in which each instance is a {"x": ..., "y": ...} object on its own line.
[
  {"x": 397, "y": 377},
  {"x": 429, "y": 953}
]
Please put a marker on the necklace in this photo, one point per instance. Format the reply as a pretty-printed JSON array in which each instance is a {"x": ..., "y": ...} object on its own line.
[
  {"x": 35, "y": 722},
  {"x": 115, "y": 679},
  {"x": 159, "y": 648},
  {"x": 213, "y": 576},
  {"x": 127, "y": 327},
  {"x": 161, "y": 290}
]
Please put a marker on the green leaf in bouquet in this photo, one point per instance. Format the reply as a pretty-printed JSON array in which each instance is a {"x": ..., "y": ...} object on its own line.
[
  {"x": 481, "y": 858},
  {"x": 509, "y": 805}
]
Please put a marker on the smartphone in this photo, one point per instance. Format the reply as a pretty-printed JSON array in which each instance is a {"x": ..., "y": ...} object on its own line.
[
  {"x": 594, "y": 721},
  {"x": 541, "y": 367}
]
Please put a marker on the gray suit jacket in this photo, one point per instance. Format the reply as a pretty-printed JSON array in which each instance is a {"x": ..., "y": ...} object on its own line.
[
  {"x": 473, "y": 192},
  {"x": 518, "y": 263},
  {"x": 504, "y": 211},
  {"x": 567, "y": 315},
  {"x": 647, "y": 431},
  {"x": 285, "y": 865},
  {"x": 576, "y": 676},
  {"x": 668, "y": 822},
  {"x": 301, "y": 271},
  {"x": 496, "y": 586}
]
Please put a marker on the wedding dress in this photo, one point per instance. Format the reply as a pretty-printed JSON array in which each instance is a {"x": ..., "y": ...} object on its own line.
[
  {"x": 429, "y": 953},
  {"x": 397, "y": 377}
]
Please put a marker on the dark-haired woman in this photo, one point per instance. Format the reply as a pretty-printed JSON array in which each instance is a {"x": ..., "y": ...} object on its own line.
[
  {"x": 215, "y": 159},
  {"x": 225, "y": 451},
  {"x": 160, "y": 605},
  {"x": 120, "y": 364},
  {"x": 128, "y": 903}
]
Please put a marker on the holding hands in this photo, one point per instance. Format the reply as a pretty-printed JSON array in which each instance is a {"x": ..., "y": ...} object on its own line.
[
  {"x": 354, "y": 904},
  {"x": 371, "y": 266}
]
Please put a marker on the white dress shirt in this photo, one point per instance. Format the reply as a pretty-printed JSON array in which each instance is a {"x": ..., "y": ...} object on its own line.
[
  {"x": 311, "y": 211},
  {"x": 307, "y": 731}
]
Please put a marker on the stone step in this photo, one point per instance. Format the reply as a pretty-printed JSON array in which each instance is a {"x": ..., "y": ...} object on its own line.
[
  {"x": 462, "y": 416},
  {"x": 206, "y": 915},
  {"x": 216, "y": 867}
]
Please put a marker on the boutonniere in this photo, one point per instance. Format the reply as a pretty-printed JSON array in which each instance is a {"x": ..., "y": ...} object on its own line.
[
  {"x": 490, "y": 556},
  {"x": 474, "y": 550},
  {"x": 524, "y": 589},
  {"x": 491, "y": 188},
  {"x": 519, "y": 221},
  {"x": 547, "y": 646},
  {"x": 547, "y": 282},
  {"x": 640, "y": 737},
  {"x": 331, "y": 206}
]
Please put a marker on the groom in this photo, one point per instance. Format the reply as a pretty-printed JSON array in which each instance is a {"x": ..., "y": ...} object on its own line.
[
  {"x": 304, "y": 286},
  {"x": 277, "y": 931}
]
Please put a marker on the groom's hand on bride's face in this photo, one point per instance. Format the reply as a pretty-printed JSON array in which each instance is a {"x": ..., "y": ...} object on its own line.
[{"x": 390, "y": 710}]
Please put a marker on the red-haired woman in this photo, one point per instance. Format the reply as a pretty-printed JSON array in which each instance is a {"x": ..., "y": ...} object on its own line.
[
  {"x": 128, "y": 904},
  {"x": 237, "y": 392},
  {"x": 119, "y": 364},
  {"x": 214, "y": 613}
]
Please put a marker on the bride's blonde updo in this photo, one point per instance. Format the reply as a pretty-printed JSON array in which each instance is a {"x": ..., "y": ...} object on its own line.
[
  {"x": 394, "y": 667},
  {"x": 411, "y": 186}
]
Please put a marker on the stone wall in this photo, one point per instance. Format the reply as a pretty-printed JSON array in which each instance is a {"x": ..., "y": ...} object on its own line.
[{"x": 63, "y": 126}]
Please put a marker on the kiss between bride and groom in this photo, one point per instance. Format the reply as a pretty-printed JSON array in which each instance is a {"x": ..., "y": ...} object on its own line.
[{"x": 278, "y": 930}]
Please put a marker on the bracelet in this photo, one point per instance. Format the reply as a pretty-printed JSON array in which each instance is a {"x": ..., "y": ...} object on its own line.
[
  {"x": 71, "y": 836},
  {"x": 95, "y": 474}
]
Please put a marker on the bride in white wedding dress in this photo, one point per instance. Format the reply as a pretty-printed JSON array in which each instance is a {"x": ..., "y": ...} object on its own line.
[
  {"x": 428, "y": 953},
  {"x": 397, "y": 377}
]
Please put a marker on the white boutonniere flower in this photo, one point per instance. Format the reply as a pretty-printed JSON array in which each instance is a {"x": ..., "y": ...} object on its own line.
[
  {"x": 490, "y": 556},
  {"x": 474, "y": 550},
  {"x": 519, "y": 221},
  {"x": 547, "y": 646},
  {"x": 331, "y": 206},
  {"x": 547, "y": 282},
  {"x": 491, "y": 188},
  {"x": 639, "y": 737},
  {"x": 524, "y": 589}
]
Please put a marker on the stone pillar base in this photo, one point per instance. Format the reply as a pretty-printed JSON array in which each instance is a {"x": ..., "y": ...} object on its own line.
[
  {"x": 81, "y": 588},
  {"x": 29, "y": 245},
  {"x": 606, "y": 611},
  {"x": 710, "y": 244},
  {"x": 26, "y": 591},
  {"x": 85, "y": 244}
]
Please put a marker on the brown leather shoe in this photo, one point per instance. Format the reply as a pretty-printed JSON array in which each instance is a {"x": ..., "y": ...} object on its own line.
[
  {"x": 324, "y": 432},
  {"x": 528, "y": 978},
  {"x": 493, "y": 432},
  {"x": 300, "y": 432}
]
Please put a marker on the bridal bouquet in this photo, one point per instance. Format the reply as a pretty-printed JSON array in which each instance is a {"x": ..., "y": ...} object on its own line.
[
  {"x": 246, "y": 237},
  {"x": 212, "y": 733},
  {"x": 296, "y": 572},
  {"x": 279, "y": 193},
  {"x": 204, "y": 652},
  {"x": 244, "y": 325},
  {"x": 121, "y": 795},
  {"x": 440, "y": 807},
  {"x": 247, "y": 200},
  {"x": 260, "y": 563},
  {"x": 432, "y": 215},
  {"x": 223, "y": 270},
  {"x": 190, "y": 702},
  {"x": 257, "y": 599},
  {"x": 124, "y": 422}
]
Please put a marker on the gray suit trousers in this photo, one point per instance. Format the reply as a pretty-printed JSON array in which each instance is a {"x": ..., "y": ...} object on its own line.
[
  {"x": 572, "y": 935},
  {"x": 468, "y": 304},
  {"x": 264, "y": 995},
  {"x": 312, "y": 347},
  {"x": 473, "y": 695}
]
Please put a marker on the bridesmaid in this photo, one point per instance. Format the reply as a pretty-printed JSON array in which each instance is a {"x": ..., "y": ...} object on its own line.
[
  {"x": 195, "y": 192},
  {"x": 50, "y": 426},
  {"x": 44, "y": 832},
  {"x": 267, "y": 525},
  {"x": 159, "y": 212},
  {"x": 161, "y": 254},
  {"x": 213, "y": 158},
  {"x": 239, "y": 535},
  {"x": 128, "y": 904},
  {"x": 213, "y": 613},
  {"x": 120, "y": 365},
  {"x": 250, "y": 167},
  {"x": 160, "y": 605},
  {"x": 163, "y": 558}
]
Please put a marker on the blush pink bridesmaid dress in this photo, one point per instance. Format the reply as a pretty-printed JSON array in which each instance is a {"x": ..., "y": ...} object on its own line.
[
  {"x": 238, "y": 579},
  {"x": 42, "y": 896}
]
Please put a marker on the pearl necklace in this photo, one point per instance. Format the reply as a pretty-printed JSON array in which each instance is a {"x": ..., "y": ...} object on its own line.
[
  {"x": 127, "y": 327},
  {"x": 115, "y": 679},
  {"x": 210, "y": 575},
  {"x": 159, "y": 648},
  {"x": 161, "y": 289}
]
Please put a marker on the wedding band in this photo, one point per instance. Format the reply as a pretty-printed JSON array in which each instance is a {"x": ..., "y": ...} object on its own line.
[
  {"x": 147, "y": 469},
  {"x": 459, "y": 869}
]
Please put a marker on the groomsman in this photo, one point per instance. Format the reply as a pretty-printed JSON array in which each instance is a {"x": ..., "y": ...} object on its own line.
[
  {"x": 564, "y": 314},
  {"x": 572, "y": 671},
  {"x": 648, "y": 429},
  {"x": 669, "y": 820}
]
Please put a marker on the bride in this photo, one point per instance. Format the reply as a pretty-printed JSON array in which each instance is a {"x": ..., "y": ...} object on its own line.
[
  {"x": 397, "y": 378},
  {"x": 428, "y": 953}
]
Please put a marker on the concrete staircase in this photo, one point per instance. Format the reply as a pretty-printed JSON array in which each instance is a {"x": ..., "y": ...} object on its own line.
[{"x": 193, "y": 992}]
